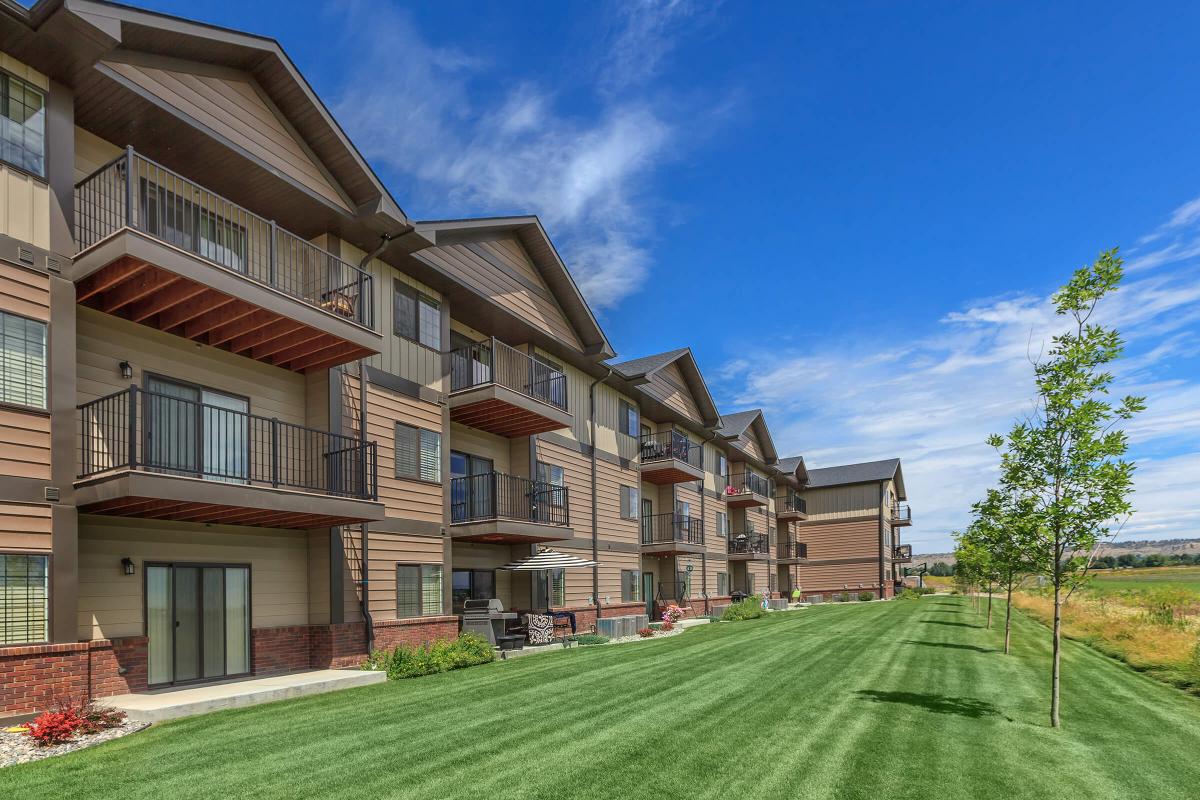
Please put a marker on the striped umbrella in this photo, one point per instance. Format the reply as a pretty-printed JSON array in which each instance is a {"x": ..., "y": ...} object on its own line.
[{"x": 549, "y": 559}]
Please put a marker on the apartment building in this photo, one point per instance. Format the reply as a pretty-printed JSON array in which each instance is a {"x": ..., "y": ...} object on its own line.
[
  {"x": 256, "y": 419},
  {"x": 851, "y": 532}
]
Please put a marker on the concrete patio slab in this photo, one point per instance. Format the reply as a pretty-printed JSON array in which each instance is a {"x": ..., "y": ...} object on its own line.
[{"x": 164, "y": 704}]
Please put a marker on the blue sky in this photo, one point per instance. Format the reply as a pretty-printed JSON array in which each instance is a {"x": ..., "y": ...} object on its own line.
[{"x": 852, "y": 214}]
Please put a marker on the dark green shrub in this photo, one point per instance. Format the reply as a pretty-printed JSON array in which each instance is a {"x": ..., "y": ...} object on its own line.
[
  {"x": 589, "y": 638},
  {"x": 910, "y": 594},
  {"x": 865, "y": 596},
  {"x": 842, "y": 597},
  {"x": 440, "y": 656},
  {"x": 750, "y": 608}
]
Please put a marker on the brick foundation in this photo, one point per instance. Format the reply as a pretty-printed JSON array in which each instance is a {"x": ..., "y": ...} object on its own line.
[
  {"x": 35, "y": 677},
  {"x": 277, "y": 650},
  {"x": 390, "y": 633},
  {"x": 337, "y": 646}
]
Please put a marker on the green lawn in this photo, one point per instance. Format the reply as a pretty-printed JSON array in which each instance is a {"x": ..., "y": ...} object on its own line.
[
  {"x": 881, "y": 700},
  {"x": 1108, "y": 581}
]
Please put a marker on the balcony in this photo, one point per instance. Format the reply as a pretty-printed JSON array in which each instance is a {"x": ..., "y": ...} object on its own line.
[
  {"x": 672, "y": 534},
  {"x": 902, "y": 554},
  {"x": 670, "y": 457},
  {"x": 749, "y": 546},
  {"x": 791, "y": 507},
  {"x": 901, "y": 515},
  {"x": 791, "y": 552},
  {"x": 747, "y": 489},
  {"x": 495, "y": 508},
  {"x": 161, "y": 250},
  {"x": 155, "y": 456},
  {"x": 499, "y": 389}
]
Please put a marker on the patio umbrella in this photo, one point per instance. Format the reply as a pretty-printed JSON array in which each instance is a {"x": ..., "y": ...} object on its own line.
[{"x": 548, "y": 559}]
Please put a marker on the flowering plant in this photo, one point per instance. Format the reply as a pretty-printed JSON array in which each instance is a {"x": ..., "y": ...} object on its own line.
[
  {"x": 667, "y": 626},
  {"x": 646, "y": 633},
  {"x": 673, "y": 613}
]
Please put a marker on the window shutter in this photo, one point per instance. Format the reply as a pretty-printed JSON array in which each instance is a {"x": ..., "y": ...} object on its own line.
[
  {"x": 558, "y": 586},
  {"x": 404, "y": 311},
  {"x": 633, "y": 502},
  {"x": 408, "y": 590},
  {"x": 407, "y": 460},
  {"x": 431, "y": 456},
  {"x": 625, "y": 502}
]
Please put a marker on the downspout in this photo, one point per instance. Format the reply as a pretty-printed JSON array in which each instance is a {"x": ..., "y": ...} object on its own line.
[
  {"x": 595, "y": 512},
  {"x": 364, "y": 553},
  {"x": 880, "y": 537}
]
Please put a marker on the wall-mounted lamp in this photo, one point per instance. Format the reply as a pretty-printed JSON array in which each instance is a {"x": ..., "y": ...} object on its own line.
[
  {"x": 126, "y": 370},
  {"x": 127, "y": 565}
]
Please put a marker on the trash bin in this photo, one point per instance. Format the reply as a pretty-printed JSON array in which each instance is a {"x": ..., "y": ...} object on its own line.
[{"x": 738, "y": 597}]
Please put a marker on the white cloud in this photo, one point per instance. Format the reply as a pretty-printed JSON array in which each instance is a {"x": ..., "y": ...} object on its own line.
[
  {"x": 472, "y": 150},
  {"x": 934, "y": 402}
]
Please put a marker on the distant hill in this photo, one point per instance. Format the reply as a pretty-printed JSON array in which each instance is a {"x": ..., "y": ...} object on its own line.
[{"x": 1164, "y": 546}]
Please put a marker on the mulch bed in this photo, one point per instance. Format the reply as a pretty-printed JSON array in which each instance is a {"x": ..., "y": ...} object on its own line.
[{"x": 17, "y": 748}]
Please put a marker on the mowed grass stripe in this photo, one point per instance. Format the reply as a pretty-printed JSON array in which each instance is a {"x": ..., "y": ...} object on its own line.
[{"x": 845, "y": 701}]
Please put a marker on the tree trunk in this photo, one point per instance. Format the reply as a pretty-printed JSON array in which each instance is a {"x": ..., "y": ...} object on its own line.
[
  {"x": 1008, "y": 620},
  {"x": 989, "y": 619},
  {"x": 1055, "y": 669}
]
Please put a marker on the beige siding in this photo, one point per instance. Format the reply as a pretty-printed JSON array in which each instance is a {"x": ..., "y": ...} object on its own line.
[
  {"x": 234, "y": 108},
  {"x": 579, "y": 581},
  {"x": 610, "y": 477},
  {"x": 749, "y": 442},
  {"x": 92, "y": 153},
  {"x": 415, "y": 500},
  {"x": 668, "y": 387},
  {"x": 24, "y": 292},
  {"x": 485, "y": 445},
  {"x": 104, "y": 341},
  {"x": 386, "y": 551},
  {"x": 25, "y": 527},
  {"x": 318, "y": 576},
  {"x": 24, "y": 207},
  {"x": 24, "y": 444},
  {"x": 842, "y": 501},
  {"x": 609, "y": 439},
  {"x": 515, "y": 286},
  {"x": 110, "y": 602}
]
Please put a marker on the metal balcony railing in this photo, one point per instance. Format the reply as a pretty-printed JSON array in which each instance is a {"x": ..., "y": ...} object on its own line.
[
  {"x": 672, "y": 527},
  {"x": 141, "y": 430},
  {"x": 750, "y": 482},
  {"x": 901, "y": 513},
  {"x": 749, "y": 542},
  {"x": 902, "y": 552},
  {"x": 790, "y": 549},
  {"x": 792, "y": 502},
  {"x": 494, "y": 362},
  {"x": 134, "y": 192},
  {"x": 494, "y": 495},
  {"x": 671, "y": 444}
]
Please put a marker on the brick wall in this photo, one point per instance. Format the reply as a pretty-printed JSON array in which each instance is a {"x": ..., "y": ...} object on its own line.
[
  {"x": 35, "y": 677},
  {"x": 118, "y": 666},
  {"x": 284, "y": 649},
  {"x": 390, "y": 633},
  {"x": 337, "y": 646}
]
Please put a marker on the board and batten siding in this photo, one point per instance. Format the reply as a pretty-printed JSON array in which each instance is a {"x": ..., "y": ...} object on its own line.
[
  {"x": 404, "y": 498},
  {"x": 668, "y": 387},
  {"x": 501, "y": 271},
  {"x": 835, "y": 502},
  {"x": 110, "y": 602},
  {"x": 609, "y": 439},
  {"x": 234, "y": 107},
  {"x": 609, "y": 479},
  {"x": 24, "y": 199},
  {"x": 479, "y": 443}
]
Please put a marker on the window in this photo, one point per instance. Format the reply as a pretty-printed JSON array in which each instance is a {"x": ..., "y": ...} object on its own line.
[
  {"x": 24, "y": 598},
  {"x": 553, "y": 475},
  {"x": 722, "y": 524},
  {"x": 550, "y": 588},
  {"x": 418, "y": 590},
  {"x": 628, "y": 422},
  {"x": 418, "y": 453},
  {"x": 629, "y": 502},
  {"x": 631, "y": 586},
  {"x": 416, "y": 316},
  {"x": 722, "y": 465},
  {"x": 471, "y": 584},
  {"x": 549, "y": 381},
  {"x": 23, "y": 350},
  {"x": 722, "y": 584},
  {"x": 22, "y": 125}
]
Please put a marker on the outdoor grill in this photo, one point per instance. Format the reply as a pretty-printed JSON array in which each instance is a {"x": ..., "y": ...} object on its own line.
[{"x": 489, "y": 619}]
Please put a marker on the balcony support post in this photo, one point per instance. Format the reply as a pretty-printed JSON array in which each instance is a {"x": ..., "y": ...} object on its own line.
[
  {"x": 132, "y": 426},
  {"x": 272, "y": 252},
  {"x": 275, "y": 452},
  {"x": 129, "y": 186}
]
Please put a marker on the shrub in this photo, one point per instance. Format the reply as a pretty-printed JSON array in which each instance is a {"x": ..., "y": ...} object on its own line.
[
  {"x": 843, "y": 597},
  {"x": 98, "y": 718},
  {"x": 667, "y": 626},
  {"x": 54, "y": 727},
  {"x": 586, "y": 639},
  {"x": 646, "y": 633},
  {"x": 865, "y": 596},
  {"x": 910, "y": 594},
  {"x": 440, "y": 656},
  {"x": 656, "y": 626},
  {"x": 750, "y": 608},
  {"x": 673, "y": 613}
]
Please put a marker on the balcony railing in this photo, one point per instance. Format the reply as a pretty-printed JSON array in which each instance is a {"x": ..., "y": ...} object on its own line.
[
  {"x": 494, "y": 362},
  {"x": 901, "y": 513},
  {"x": 671, "y": 527},
  {"x": 141, "y": 430},
  {"x": 671, "y": 444},
  {"x": 902, "y": 552},
  {"x": 134, "y": 192},
  {"x": 494, "y": 495},
  {"x": 750, "y": 482},
  {"x": 790, "y": 549},
  {"x": 793, "y": 503},
  {"x": 749, "y": 542}
]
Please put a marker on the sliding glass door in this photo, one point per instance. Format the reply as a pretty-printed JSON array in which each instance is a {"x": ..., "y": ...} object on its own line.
[
  {"x": 191, "y": 430},
  {"x": 197, "y": 622}
]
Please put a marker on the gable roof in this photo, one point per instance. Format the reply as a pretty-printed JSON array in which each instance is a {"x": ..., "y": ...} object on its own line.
[
  {"x": 793, "y": 467},
  {"x": 865, "y": 472},
  {"x": 734, "y": 425},
  {"x": 532, "y": 236},
  {"x": 638, "y": 371}
]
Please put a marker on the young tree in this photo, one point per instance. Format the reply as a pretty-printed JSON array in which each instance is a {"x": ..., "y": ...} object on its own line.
[
  {"x": 973, "y": 567},
  {"x": 1067, "y": 459},
  {"x": 1004, "y": 527}
]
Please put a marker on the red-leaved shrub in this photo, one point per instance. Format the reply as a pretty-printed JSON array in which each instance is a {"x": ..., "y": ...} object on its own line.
[
  {"x": 646, "y": 633},
  {"x": 54, "y": 727},
  {"x": 667, "y": 626}
]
